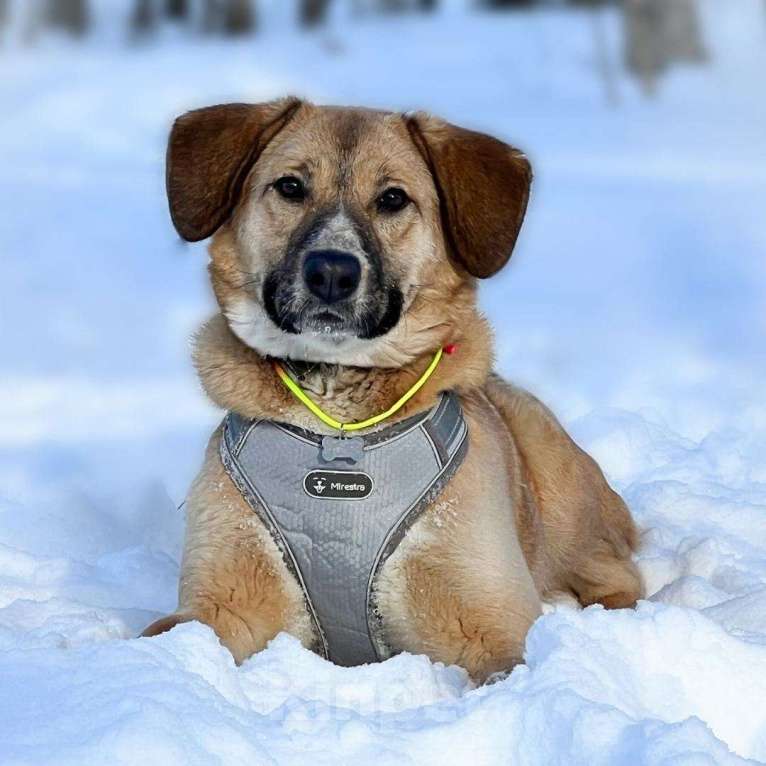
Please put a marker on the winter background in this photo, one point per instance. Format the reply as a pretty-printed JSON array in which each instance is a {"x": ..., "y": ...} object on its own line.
[{"x": 635, "y": 305}]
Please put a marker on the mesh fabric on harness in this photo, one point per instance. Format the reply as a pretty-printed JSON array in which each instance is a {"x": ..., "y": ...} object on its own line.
[{"x": 337, "y": 521}]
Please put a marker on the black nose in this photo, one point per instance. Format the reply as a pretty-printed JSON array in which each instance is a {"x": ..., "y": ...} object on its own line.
[{"x": 331, "y": 275}]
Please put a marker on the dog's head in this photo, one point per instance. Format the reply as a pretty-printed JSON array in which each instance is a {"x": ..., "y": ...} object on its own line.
[{"x": 343, "y": 235}]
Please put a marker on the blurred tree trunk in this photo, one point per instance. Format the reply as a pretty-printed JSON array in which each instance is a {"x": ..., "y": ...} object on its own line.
[
  {"x": 644, "y": 51},
  {"x": 683, "y": 36},
  {"x": 210, "y": 16},
  {"x": 397, "y": 6},
  {"x": 392, "y": 6},
  {"x": 500, "y": 4},
  {"x": 3, "y": 12},
  {"x": 313, "y": 12},
  {"x": 71, "y": 15},
  {"x": 176, "y": 9},
  {"x": 238, "y": 17},
  {"x": 658, "y": 33},
  {"x": 144, "y": 19}
]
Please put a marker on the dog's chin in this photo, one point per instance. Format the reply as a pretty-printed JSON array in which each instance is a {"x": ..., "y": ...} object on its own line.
[
  {"x": 321, "y": 336},
  {"x": 328, "y": 326}
]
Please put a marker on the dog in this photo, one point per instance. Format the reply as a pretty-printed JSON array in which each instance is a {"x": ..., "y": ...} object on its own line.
[{"x": 346, "y": 248}]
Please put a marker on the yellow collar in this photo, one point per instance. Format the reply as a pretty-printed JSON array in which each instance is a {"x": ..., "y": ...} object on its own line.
[{"x": 306, "y": 401}]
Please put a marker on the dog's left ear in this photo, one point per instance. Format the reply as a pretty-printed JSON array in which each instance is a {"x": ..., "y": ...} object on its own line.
[
  {"x": 210, "y": 153},
  {"x": 483, "y": 186}
]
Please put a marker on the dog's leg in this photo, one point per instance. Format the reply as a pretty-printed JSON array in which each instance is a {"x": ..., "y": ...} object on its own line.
[
  {"x": 233, "y": 577},
  {"x": 604, "y": 577},
  {"x": 469, "y": 620},
  {"x": 164, "y": 624},
  {"x": 588, "y": 531},
  {"x": 459, "y": 587}
]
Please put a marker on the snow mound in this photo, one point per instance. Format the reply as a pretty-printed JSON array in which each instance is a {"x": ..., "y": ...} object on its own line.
[{"x": 661, "y": 685}]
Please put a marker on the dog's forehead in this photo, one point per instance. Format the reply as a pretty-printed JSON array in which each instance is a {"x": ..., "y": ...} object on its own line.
[
  {"x": 346, "y": 142},
  {"x": 346, "y": 128}
]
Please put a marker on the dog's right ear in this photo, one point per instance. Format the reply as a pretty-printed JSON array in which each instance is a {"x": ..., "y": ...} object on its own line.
[{"x": 210, "y": 153}]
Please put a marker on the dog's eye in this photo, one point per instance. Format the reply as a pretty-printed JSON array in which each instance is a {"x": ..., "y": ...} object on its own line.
[
  {"x": 393, "y": 200},
  {"x": 290, "y": 187}
]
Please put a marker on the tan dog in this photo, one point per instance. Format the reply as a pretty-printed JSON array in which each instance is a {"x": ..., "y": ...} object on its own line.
[{"x": 414, "y": 209}]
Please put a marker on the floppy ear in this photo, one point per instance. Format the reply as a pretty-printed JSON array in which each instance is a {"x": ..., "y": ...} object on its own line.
[
  {"x": 483, "y": 187},
  {"x": 210, "y": 153}
]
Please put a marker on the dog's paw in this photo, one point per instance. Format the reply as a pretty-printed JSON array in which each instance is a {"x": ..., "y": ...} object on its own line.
[{"x": 496, "y": 677}]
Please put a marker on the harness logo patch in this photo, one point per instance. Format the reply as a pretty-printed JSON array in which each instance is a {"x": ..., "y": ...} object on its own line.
[{"x": 338, "y": 485}]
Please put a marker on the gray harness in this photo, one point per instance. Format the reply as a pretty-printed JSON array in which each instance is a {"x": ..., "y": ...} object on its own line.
[{"x": 338, "y": 508}]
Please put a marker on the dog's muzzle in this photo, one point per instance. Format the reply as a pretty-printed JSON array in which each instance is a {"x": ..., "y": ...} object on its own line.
[{"x": 328, "y": 296}]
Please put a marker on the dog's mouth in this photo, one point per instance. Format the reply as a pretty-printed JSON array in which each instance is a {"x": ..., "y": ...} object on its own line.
[
  {"x": 364, "y": 317},
  {"x": 329, "y": 324}
]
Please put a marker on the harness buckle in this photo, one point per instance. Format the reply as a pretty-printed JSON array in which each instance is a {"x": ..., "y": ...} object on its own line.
[{"x": 350, "y": 448}]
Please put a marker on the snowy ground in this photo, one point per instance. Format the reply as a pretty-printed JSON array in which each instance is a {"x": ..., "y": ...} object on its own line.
[{"x": 635, "y": 305}]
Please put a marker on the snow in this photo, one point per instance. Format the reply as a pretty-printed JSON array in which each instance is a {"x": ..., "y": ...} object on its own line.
[{"x": 634, "y": 305}]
